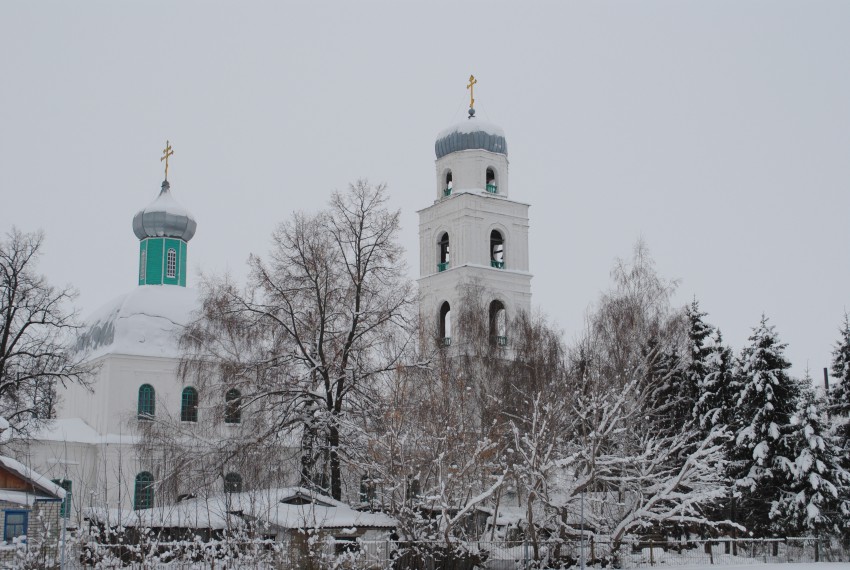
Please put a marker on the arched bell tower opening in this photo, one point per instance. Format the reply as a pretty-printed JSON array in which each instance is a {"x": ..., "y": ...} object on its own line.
[
  {"x": 445, "y": 324},
  {"x": 447, "y": 191},
  {"x": 444, "y": 259},
  {"x": 497, "y": 250},
  {"x": 490, "y": 181},
  {"x": 498, "y": 323}
]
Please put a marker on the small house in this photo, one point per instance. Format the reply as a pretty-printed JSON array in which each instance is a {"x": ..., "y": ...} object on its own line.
[{"x": 30, "y": 510}]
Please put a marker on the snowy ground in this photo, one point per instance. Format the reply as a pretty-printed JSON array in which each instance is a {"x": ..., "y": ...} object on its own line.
[{"x": 777, "y": 566}]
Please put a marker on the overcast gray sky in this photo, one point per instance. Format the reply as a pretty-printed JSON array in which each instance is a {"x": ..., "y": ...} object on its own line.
[{"x": 718, "y": 131}]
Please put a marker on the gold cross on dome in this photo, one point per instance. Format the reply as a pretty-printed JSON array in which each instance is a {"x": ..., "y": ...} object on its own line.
[
  {"x": 166, "y": 152},
  {"x": 472, "y": 82}
]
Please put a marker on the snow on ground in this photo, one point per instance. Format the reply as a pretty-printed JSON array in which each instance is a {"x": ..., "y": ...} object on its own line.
[{"x": 776, "y": 566}]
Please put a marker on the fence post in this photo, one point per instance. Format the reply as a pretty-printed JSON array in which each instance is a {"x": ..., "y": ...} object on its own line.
[
  {"x": 525, "y": 552},
  {"x": 651, "y": 553}
]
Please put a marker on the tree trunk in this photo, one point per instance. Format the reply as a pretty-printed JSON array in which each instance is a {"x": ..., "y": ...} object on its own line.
[{"x": 336, "y": 471}]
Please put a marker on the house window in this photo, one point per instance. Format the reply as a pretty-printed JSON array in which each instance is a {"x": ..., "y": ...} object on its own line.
[
  {"x": 15, "y": 525},
  {"x": 65, "y": 510},
  {"x": 497, "y": 250},
  {"x": 445, "y": 330},
  {"x": 143, "y": 496},
  {"x": 171, "y": 264},
  {"x": 189, "y": 405},
  {"x": 443, "y": 245},
  {"x": 147, "y": 402},
  {"x": 232, "y": 407},
  {"x": 233, "y": 483},
  {"x": 143, "y": 263}
]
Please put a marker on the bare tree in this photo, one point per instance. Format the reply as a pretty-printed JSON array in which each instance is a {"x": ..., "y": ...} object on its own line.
[
  {"x": 320, "y": 319},
  {"x": 37, "y": 328}
]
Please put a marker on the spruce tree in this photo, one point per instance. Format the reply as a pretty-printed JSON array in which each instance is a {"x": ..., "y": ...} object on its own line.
[
  {"x": 766, "y": 402},
  {"x": 718, "y": 389},
  {"x": 812, "y": 480},
  {"x": 839, "y": 394},
  {"x": 839, "y": 409}
]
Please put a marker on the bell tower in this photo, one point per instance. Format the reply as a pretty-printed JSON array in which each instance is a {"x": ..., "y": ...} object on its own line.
[{"x": 473, "y": 233}]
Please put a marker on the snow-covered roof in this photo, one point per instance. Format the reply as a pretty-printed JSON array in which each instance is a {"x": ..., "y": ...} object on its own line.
[
  {"x": 186, "y": 514},
  {"x": 76, "y": 430},
  {"x": 267, "y": 505},
  {"x": 472, "y": 133},
  {"x": 147, "y": 321},
  {"x": 36, "y": 479},
  {"x": 164, "y": 217}
]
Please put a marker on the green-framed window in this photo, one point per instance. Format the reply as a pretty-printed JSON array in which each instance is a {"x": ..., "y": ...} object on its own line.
[
  {"x": 233, "y": 407},
  {"x": 147, "y": 401},
  {"x": 143, "y": 494},
  {"x": 189, "y": 405},
  {"x": 233, "y": 483},
  {"x": 65, "y": 510}
]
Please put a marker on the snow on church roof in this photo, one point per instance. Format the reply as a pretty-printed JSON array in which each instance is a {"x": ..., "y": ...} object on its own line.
[
  {"x": 164, "y": 217},
  {"x": 285, "y": 508},
  {"x": 147, "y": 321},
  {"x": 473, "y": 133}
]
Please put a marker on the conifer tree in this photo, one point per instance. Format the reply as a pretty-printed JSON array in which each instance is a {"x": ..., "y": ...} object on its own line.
[
  {"x": 766, "y": 402},
  {"x": 839, "y": 394},
  {"x": 718, "y": 389},
  {"x": 699, "y": 364},
  {"x": 839, "y": 409},
  {"x": 812, "y": 481}
]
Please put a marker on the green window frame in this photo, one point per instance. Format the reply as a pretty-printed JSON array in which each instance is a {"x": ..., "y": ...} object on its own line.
[
  {"x": 189, "y": 405},
  {"x": 171, "y": 263},
  {"x": 233, "y": 407},
  {"x": 143, "y": 492},
  {"x": 233, "y": 483},
  {"x": 15, "y": 524},
  {"x": 147, "y": 401},
  {"x": 65, "y": 509}
]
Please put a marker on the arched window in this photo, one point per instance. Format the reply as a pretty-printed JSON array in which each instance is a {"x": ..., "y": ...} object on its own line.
[
  {"x": 171, "y": 263},
  {"x": 445, "y": 324},
  {"x": 498, "y": 324},
  {"x": 447, "y": 191},
  {"x": 143, "y": 495},
  {"x": 497, "y": 250},
  {"x": 189, "y": 405},
  {"x": 233, "y": 483},
  {"x": 491, "y": 181},
  {"x": 232, "y": 407},
  {"x": 147, "y": 402},
  {"x": 445, "y": 257},
  {"x": 143, "y": 262}
]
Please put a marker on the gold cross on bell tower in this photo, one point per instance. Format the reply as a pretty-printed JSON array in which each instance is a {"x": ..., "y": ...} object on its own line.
[
  {"x": 166, "y": 152},
  {"x": 472, "y": 82}
]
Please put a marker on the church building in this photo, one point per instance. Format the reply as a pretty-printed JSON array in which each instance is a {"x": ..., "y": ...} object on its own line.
[{"x": 472, "y": 233}]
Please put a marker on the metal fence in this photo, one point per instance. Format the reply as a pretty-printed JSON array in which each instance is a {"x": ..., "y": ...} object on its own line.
[{"x": 328, "y": 554}]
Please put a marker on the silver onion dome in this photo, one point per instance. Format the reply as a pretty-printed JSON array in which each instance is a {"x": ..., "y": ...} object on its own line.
[
  {"x": 164, "y": 217},
  {"x": 471, "y": 134}
]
